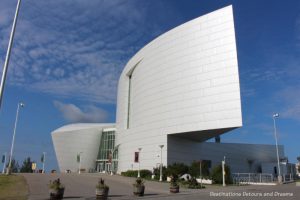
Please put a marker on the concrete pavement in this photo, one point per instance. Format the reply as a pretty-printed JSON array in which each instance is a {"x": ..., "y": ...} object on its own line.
[{"x": 79, "y": 187}]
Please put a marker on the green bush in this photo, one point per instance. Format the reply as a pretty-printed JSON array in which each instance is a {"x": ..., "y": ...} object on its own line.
[
  {"x": 191, "y": 184},
  {"x": 177, "y": 169},
  {"x": 144, "y": 173},
  {"x": 194, "y": 169},
  {"x": 156, "y": 172},
  {"x": 130, "y": 173},
  {"x": 217, "y": 176},
  {"x": 26, "y": 167}
]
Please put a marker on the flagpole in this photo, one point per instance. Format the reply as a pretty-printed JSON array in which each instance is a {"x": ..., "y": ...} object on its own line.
[{"x": 11, "y": 39}]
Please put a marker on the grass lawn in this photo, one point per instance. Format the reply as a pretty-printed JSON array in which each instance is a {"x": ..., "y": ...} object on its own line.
[{"x": 13, "y": 187}]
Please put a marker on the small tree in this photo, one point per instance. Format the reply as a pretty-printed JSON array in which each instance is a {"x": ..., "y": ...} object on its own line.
[
  {"x": 14, "y": 166},
  {"x": 177, "y": 169},
  {"x": 156, "y": 172},
  {"x": 194, "y": 169},
  {"x": 217, "y": 175},
  {"x": 26, "y": 167}
]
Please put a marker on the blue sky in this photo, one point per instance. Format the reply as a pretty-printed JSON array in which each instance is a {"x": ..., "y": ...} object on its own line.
[{"x": 68, "y": 55}]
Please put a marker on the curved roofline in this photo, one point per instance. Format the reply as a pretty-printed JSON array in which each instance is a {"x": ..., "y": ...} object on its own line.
[
  {"x": 136, "y": 58},
  {"x": 81, "y": 126}
]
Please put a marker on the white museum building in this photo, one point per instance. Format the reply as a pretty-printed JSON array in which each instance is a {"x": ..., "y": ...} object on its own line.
[{"x": 177, "y": 92}]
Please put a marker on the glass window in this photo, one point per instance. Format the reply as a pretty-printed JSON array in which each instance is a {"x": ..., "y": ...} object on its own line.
[{"x": 107, "y": 145}]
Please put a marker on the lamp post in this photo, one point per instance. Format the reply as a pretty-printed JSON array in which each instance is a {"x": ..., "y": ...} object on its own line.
[
  {"x": 292, "y": 178},
  {"x": 201, "y": 173},
  {"x": 223, "y": 171},
  {"x": 43, "y": 160},
  {"x": 140, "y": 149},
  {"x": 160, "y": 170},
  {"x": 79, "y": 161},
  {"x": 4, "y": 163},
  {"x": 11, "y": 39},
  {"x": 275, "y": 134},
  {"x": 20, "y": 105}
]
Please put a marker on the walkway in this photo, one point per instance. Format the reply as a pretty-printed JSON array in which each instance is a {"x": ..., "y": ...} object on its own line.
[{"x": 82, "y": 187}]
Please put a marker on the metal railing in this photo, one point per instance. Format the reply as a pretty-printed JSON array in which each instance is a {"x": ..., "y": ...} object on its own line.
[
  {"x": 288, "y": 178},
  {"x": 247, "y": 178}
]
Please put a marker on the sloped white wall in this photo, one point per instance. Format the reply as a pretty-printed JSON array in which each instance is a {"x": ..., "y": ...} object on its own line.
[{"x": 185, "y": 80}]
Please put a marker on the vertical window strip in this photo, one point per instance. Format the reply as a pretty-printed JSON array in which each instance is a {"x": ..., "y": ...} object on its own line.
[
  {"x": 107, "y": 145},
  {"x": 128, "y": 106}
]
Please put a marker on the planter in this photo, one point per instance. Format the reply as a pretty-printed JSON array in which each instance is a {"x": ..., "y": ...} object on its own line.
[
  {"x": 102, "y": 193},
  {"x": 57, "y": 194},
  {"x": 174, "y": 189},
  {"x": 139, "y": 190}
]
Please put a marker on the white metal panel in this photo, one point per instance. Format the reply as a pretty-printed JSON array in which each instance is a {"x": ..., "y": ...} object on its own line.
[
  {"x": 186, "y": 80},
  {"x": 72, "y": 139}
]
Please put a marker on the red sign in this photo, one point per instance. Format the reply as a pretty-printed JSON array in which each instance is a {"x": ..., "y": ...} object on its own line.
[{"x": 136, "y": 157}]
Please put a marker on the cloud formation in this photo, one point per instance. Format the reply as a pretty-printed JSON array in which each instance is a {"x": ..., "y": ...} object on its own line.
[
  {"x": 68, "y": 48},
  {"x": 290, "y": 102},
  {"x": 74, "y": 114}
]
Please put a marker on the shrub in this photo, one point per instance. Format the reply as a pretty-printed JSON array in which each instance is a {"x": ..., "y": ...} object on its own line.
[
  {"x": 177, "y": 168},
  {"x": 26, "y": 167},
  {"x": 101, "y": 184},
  {"x": 130, "y": 173},
  {"x": 138, "y": 182},
  {"x": 156, "y": 172},
  {"x": 193, "y": 184},
  {"x": 56, "y": 185},
  {"x": 194, "y": 169},
  {"x": 217, "y": 176},
  {"x": 174, "y": 179},
  {"x": 144, "y": 173}
]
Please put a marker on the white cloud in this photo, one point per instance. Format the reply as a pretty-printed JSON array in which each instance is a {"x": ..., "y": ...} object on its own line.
[
  {"x": 72, "y": 113},
  {"x": 74, "y": 49},
  {"x": 289, "y": 99}
]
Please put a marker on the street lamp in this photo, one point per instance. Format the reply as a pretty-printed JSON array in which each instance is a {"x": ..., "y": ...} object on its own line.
[
  {"x": 140, "y": 149},
  {"x": 223, "y": 171},
  {"x": 43, "y": 161},
  {"x": 79, "y": 161},
  {"x": 201, "y": 173},
  {"x": 160, "y": 170},
  {"x": 4, "y": 162},
  {"x": 20, "y": 105},
  {"x": 275, "y": 134}
]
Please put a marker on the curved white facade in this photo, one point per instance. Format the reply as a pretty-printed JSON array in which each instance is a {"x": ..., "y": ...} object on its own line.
[
  {"x": 184, "y": 83},
  {"x": 72, "y": 139},
  {"x": 178, "y": 91}
]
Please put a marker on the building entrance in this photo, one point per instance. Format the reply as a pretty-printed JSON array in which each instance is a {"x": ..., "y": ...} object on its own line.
[{"x": 107, "y": 161}]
